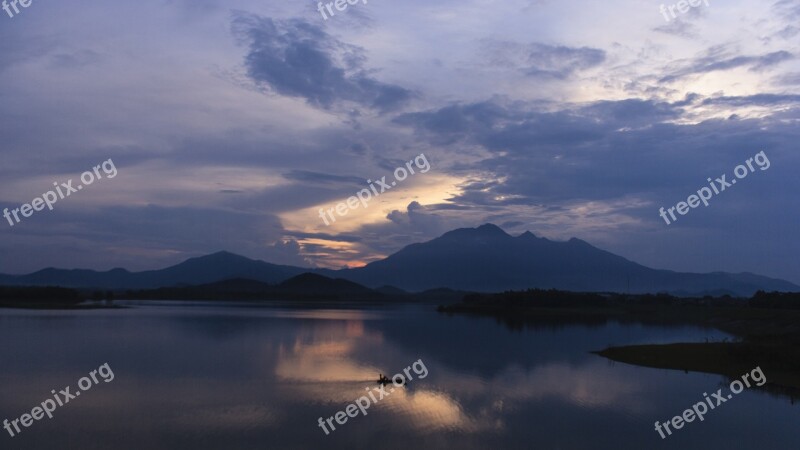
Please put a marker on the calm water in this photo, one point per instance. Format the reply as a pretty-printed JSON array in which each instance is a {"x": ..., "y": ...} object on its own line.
[{"x": 213, "y": 376}]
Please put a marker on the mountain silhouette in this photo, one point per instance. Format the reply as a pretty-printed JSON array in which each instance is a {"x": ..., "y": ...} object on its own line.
[
  {"x": 487, "y": 259},
  {"x": 483, "y": 259},
  {"x": 207, "y": 269},
  {"x": 314, "y": 283}
]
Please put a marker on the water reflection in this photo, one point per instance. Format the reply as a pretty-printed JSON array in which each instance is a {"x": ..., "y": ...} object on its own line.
[
  {"x": 323, "y": 352},
  {"x": 212, "y": 376}
]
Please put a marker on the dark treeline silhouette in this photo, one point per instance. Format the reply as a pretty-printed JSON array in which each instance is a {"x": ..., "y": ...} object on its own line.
[
  {"x": 552, "y": 298},
  {"x": 766, "y": 327},
  {"x": 306, "y": 286},
  {"x": 775, "y": 300},
  {"x": 38, "y": 296},
  {"x": 52, "y": 297},
  {"x": 539, "y": 298}
]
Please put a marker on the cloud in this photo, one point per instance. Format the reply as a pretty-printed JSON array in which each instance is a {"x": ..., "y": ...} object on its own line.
[
  {"x": 679, "y": 28},
  {"x": 451, "y": 122},
  {"x": 76, "y": 59},
  {"x": 539, "y": 60},
  {"x": 287, "y": 252},
  {"x": 789, "y": 79},
  {"x": 788, "y": 32},
  {"x": 719, "y": 59},
  {"x": 754, "y": 100},
  {"x": 299, "y": 59},
  {"x": 417, "y": 218},
  {"x": 548, "y": 118},
  {"x": 306, "y": 177},
  {"x": 135, "y": 236},
  {"x": 15, "y": 51},
  {"x": 788, "y": 8}
]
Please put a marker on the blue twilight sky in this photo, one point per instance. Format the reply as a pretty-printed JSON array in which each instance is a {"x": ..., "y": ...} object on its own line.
[{"x": 232, "y": 122}]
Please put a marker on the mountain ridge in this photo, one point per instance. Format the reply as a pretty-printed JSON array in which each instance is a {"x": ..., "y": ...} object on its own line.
[{"x": 482, "y": 259}]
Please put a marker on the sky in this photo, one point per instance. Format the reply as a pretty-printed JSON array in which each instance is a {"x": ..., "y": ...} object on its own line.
[{"x": 229, "y": 124}]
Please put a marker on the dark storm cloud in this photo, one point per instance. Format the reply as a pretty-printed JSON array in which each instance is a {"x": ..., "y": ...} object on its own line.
[
  {"x": 589, "y": 152},
  {"x": 450, "y": 123},
  {"x": 499, "y": 127},
  {"x": 299, "y": 59}
]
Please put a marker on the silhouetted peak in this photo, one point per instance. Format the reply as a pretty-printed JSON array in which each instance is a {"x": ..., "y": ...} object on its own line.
[
  {"x": 576, "y": 241},
  {"x": 237, "y": 283},
  {"x": 491, "y": 229},
  {"x": 390, "y": 290},
  {"x": 527, "y": 235},
  {"x": 483, "y": 231},
  {"x": 312, "y": 281},
  {"x": 222, "y": 256},
  {"x": 305, "y": 278}
]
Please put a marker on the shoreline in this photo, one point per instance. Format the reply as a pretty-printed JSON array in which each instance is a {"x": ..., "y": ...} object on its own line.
[
  {"x": 765, "y": 329},
  {"x": 729, "y": 359}
]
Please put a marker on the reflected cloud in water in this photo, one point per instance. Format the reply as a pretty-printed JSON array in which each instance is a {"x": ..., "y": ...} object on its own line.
[{"x": 217, "y": 376}]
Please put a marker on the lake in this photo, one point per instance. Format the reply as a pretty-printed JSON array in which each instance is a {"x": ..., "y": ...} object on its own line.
[{"x": 206, "y": 375}]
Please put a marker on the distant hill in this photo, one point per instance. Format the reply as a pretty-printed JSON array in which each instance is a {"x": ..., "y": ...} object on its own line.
[
  {"x": 313, "y": 283},
  {"x": 194, "y": 271},
  {"x": 483, "y": 259},
  {"x": 306, "y": 286}
]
